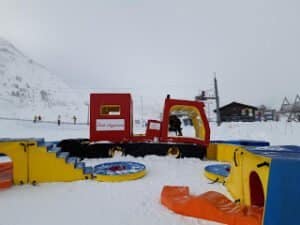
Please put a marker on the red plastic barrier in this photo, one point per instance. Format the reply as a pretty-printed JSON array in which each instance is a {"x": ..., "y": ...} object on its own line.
[
  {"x": 6, "y": 175},
  {"x": 210, "y": 206}
]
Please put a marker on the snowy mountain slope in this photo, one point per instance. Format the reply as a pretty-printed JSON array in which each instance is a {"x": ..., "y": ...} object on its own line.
[{"x": 27, "y": 85}]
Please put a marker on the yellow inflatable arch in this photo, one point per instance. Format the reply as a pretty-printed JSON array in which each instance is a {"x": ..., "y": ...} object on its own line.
[{"x": 194, "y": 114}]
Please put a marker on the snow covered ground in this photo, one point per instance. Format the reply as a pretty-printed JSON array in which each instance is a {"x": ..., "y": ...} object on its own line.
[
  {"x": 126, "y": 203},
  {"x": 277, "y": 133}
]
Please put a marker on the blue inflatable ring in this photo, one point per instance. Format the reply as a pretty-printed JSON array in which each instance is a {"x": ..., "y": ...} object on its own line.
[
  {"x": 217, "y": 172},
  {"x": 119, "y": 171}
]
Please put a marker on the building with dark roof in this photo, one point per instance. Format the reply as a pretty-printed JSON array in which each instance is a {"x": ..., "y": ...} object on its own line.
[{"x": 235, "y": 111}]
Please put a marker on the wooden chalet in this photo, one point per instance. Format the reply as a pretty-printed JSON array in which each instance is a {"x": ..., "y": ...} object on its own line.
[{"x": 238, "y": 112}]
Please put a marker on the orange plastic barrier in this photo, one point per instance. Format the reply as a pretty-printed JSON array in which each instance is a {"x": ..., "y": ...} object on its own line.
[
  {"x": 6, "y": 175},
  {"x": 210, "y": 206}
]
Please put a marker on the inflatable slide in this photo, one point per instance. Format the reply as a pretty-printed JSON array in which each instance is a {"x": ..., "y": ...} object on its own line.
[{"x": 211, "y": 205}]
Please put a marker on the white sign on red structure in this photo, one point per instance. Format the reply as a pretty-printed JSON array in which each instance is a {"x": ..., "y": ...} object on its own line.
[
  {"x": 110, "y": 124},
  {"x": 154, "y": 126}
]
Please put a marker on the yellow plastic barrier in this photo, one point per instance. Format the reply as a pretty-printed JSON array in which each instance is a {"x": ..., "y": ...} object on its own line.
[
  {"x": 33, "y": 164},
  {"x": 247, "y": 181},
  {"x": 17, "y": 151},
  {"x": 221, "y": 152},
  {"x": 211, "y": 152},
  {"x": 46, "y": 167}
]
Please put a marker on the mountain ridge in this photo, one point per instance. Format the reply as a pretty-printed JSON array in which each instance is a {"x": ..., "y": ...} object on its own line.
[{"x": 30, "y": 86}]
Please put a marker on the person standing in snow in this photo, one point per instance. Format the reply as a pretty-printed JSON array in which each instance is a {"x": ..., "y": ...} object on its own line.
[
  {"x": 175, "y": 125},
  {"x": 58, "y": 120},
  {"x": 74, "y": 119}
]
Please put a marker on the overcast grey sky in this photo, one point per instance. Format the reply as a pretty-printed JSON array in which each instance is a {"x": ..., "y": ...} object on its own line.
[{"x": 156, "y": 47}]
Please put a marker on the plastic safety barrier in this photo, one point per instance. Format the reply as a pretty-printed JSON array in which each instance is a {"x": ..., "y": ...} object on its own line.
[{"x": 211, "y": 205}]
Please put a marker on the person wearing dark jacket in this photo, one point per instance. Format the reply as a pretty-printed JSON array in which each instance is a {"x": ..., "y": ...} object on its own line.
[
  {"x": 58, "y": 120},
  {"x": 74, "y": 119},
  {"x": 175, "y": 125}
]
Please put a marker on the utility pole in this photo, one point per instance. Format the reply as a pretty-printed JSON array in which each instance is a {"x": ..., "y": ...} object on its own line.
[
  {"x": 88, "y": 112},
  {"x": 217, "y": 100},
  {"x": 142, "y": 112},
  {"x": 204, "y": 97},
  {"x": 88, "y": 115}
]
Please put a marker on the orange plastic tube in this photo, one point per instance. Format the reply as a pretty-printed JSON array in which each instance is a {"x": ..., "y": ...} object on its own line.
[{"x": 210, "y": 206}]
